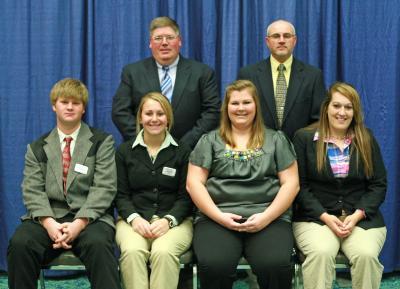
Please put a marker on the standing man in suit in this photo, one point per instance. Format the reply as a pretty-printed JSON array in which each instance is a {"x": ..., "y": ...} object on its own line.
[
  {"x": 290, "y": 91},
  {"x": 68, "y": 187},
  {"x": 189, "y": 85}
]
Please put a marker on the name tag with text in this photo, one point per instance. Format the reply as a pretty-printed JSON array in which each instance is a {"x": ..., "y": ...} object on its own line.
[
  {"x": 171, "y": 172},
  {"x": 81, "y": 169}
]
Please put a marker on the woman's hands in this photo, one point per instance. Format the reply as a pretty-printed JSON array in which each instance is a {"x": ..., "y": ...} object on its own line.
[
  {"x": 335, "y": 225},
  {"x": 342, "y": 229},
  {"x": 229, "y": 220},
  {"x": 253, "y": 224},
  {"x": 154, "y": 230}
]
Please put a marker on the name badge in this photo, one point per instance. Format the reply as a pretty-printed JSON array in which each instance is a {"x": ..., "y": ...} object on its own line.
[
  {"x": 81, "y": 169},
  {"x": 171, "y": 172}
]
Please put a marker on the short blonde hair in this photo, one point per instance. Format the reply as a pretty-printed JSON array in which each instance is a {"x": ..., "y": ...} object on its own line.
[
  {"x": 164, "y": 21},
  {"x": 69, "y": 88},
  {"x": 165, "y": 105},
  {"x": 225, "y": 129}
]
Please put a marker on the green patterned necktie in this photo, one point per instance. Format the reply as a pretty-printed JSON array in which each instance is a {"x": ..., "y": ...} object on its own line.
[{"x": 280, "y": 95}]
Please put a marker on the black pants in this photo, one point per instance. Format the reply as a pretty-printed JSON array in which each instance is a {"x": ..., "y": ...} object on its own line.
[
  {"x": 268, "y": 252},
  {"x": 31, "y": 246}
]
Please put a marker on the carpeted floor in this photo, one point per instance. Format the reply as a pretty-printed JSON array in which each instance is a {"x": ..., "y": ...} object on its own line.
[{"x": 390, "y": 281}]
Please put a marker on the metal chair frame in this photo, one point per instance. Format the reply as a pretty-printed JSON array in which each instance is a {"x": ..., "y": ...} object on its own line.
[
  {"x": 341, "y": 262},
  {"x": 67, "y": 261}
]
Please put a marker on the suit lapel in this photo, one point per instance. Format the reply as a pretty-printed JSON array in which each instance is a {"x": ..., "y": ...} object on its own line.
[
  {"x": 353, "y": 168},
  {"x": 182, "y": 76},
  {"x": 267, "y": 87},
  {"x": 143, "y": 156},
  {"x": 81, "y": 150},
  {"x": 296, "y": 79},
  {"x": 164, "y": 156},
  {"x": 54, "y": 159},
  {"x": 153, "y": 81}
]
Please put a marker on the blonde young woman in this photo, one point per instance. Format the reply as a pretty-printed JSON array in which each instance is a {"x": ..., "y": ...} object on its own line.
[
  {"x": 343, "y": 183},
  {"x": 155, "y": 226},
  {"x": 243, "y": 178}
]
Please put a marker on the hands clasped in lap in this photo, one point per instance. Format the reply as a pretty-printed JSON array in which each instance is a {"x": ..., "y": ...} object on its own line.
[
  {"x": 63, "y": 234},
  {"x": 252, "y": 224}
]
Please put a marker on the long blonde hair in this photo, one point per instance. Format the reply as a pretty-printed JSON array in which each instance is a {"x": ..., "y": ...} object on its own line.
[
  {"x": 225, "y": 129},
  {"x": 361, "y": 136}
]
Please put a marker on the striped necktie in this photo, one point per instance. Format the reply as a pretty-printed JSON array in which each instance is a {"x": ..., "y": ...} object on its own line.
[
  {"x": 66, "y": 158},
  {"x": 280, "y": 94},
  {"x": 166, "y": 84}
]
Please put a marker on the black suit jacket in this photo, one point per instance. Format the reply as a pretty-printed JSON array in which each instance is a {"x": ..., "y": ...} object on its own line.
[
  {"x": 304, "y": 95},
  {"x": 195, "y": 101},
  {"x": 322, "y": 192},
  {"x": 145, "y": 188}
]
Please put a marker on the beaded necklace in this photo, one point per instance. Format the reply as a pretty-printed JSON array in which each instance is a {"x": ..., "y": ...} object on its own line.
[{"x": 242, "y": 155}]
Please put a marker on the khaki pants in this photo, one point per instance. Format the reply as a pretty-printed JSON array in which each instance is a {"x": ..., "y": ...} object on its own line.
[
  {"x": 162, "y": 254},
  {"x": 320, "y": 246}
]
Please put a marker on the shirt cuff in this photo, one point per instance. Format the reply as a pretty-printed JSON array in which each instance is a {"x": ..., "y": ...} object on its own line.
[{"x": 132, "y": 217}]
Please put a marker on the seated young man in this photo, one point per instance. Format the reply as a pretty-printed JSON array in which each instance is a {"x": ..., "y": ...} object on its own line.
[{"x": 68, "y": 187}]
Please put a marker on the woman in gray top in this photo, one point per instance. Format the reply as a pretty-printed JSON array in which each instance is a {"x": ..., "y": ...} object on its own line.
[{"x": 243, "y": 178}]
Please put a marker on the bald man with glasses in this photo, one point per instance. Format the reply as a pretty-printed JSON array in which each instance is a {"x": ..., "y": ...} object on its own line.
[{"x": 290, "y": 91}]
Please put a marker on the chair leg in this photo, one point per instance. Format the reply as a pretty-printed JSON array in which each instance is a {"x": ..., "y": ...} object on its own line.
[
  {"x": 41, "y": 278},
  {"x": 195, "y": 285},
  {"x": 298, "y": 282}
]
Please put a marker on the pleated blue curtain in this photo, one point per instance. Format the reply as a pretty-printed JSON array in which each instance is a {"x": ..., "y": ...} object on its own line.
[{"x": 43, "y": 41}]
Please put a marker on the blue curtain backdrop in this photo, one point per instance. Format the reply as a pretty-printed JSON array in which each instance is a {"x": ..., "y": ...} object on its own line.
[{"x": 43, "y": 41}]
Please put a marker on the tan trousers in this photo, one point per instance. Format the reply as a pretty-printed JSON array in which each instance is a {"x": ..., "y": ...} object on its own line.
[
  {"x": 162, "y": 254},
  {"x": 320, "y": 246}
]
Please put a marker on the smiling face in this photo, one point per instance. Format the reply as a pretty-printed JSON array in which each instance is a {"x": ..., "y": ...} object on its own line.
[
  {"x": 241, "y": 109},
  {"x": 340, "y": 114},
  {"x": 69, "y": 112},
  {"x": 165, "y": 45},
  {"x": 281, "y": 40},
  {"x": 153, "y": 118}
]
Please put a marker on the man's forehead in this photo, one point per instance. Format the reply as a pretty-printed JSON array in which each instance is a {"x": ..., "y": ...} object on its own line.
[
  {"x": 163, "y": 30},
  {"x": 70, "y": 98},
  {"x": 281, "y": 26}
]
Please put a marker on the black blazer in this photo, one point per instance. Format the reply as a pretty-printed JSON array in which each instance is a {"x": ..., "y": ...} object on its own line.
[
  {"x": 195, "y": 101},
  {"x": 144, "y": 188},
  {"x": 322, "y": 192},
  {"x": 304, "y": 96}
]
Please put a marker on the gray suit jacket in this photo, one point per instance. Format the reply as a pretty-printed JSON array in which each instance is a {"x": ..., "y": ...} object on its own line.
[
  {"x": 90, "y": 194},
  {"x": 304, "y": 95},
  {"x": 195, "y": 100}
]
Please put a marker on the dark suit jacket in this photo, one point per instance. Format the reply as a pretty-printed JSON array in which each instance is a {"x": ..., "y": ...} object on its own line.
[
  {"x": 89, "y": 195},
  {"x": 143, "y": 188},
  {"x": 304, "y": 95},
  {"x": 322, "y": 192},
  {"x": 195, "y": 101}
]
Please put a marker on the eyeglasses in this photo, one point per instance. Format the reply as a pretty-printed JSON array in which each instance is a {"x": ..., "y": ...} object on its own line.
[
  {"x": 168, "y": 38},
  {"x": 277, "y": 36}
]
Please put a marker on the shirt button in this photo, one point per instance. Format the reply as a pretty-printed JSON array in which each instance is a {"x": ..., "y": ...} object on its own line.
[
  {"x": 155, "y": 190},
  {"x": 153, "y": 173},
  {"x": 155, "y": 205}
]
